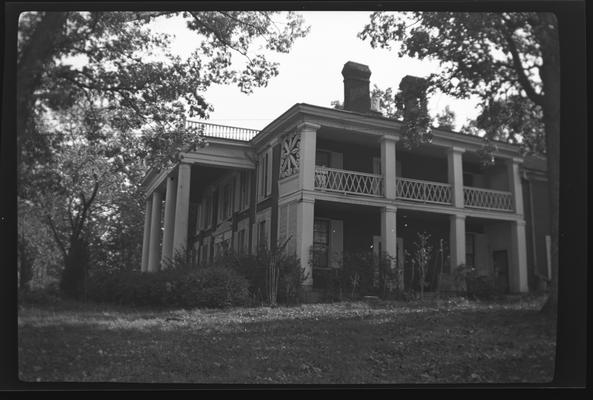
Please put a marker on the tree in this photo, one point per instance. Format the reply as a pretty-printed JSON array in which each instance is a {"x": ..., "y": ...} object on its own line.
[
  {"x": 100, "y": 93},
  {"x": 446, "y": 119},
  {"x": 509, "y": 60}
]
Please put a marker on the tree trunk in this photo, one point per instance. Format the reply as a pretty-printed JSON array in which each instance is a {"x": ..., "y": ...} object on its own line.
[
  {"x": 37, "y": 52},
  {"x": 550, "y": 74}
]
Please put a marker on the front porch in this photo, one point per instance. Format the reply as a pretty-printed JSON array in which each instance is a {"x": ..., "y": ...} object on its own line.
[{"x": 351, "y": 239}]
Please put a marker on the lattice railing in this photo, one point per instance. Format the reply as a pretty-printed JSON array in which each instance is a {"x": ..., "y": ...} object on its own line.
[
  {"x": 423, "y": 191},
  {"x": 487, "y": 199},
  {"x": 223, "y": 131},
  {"x": 348, "y": 182}
]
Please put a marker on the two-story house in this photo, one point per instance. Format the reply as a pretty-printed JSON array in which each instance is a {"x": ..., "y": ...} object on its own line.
[{"x": 339, "y": 180}]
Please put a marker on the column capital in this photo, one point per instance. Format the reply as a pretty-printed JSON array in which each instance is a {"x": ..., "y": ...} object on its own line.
[
  {"x": 515, "y": 160},
  {"x": 520, "y": 222},
  {"x": 455, "y": 149},
  {"x": 389, "y": 138},
  {"x": 307, "y": 125}
]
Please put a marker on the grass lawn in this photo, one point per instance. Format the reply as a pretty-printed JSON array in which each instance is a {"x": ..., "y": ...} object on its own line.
[{"x": 437, "y": 341}]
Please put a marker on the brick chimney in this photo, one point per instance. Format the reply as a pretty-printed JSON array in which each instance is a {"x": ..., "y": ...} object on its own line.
[
  {"x": 356, "y": 87},
  {"x": 416, "y": 88}
]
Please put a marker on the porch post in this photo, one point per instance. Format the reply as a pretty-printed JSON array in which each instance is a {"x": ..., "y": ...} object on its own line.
[
  {"x": 388, "y": 161},
  {"x": 389, "y": 230},
  {"x": 518, "y": 273},
  {"x": 457, "y": 241},
  {"x": 155, "y": 233},
  {"x": 181, "y": 208},
  {"x": 170, "y": 198},
  {"x": 515, "y": 184},
  {"x": 304, "y": 235},
  {"x": 146, "y": 237},
  {"x": 308, "y": 132},
  {"x": 455, "y": 171}
]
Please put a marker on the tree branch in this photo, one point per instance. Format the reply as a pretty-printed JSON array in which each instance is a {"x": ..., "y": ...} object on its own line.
[
  {"x": 518, "y": 66},
  {"x": 56, "y": 236}
]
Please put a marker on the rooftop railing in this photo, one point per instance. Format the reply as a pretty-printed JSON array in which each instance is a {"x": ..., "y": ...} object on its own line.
[{"x": 223, "y": 131}]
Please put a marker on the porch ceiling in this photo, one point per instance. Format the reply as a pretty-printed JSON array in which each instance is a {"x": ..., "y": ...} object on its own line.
[{"x": 322, "y": 206}]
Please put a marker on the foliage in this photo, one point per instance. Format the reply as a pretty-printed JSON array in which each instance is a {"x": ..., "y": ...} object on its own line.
[
  {"x": 421, "y": 258},
  {"x": 476, "y": 286},
  {"x": 274, "y": 275},
  {"x": 495, "y": 56},
  {"x": 365, "y": 274},
  {"x": 446, "y": 119},
  {"x": 26, "y": 259},
  {"x": 102, "y": 93},
  {"x": 211, "y": 287}
]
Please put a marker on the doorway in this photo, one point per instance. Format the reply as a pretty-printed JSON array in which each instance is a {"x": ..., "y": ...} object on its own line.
[{"x": 501, "y": 269}]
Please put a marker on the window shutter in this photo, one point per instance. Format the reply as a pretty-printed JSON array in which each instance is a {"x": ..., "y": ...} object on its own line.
[
  {"x": 336, "y": 242},
  {"x": 336, "y": 160}
]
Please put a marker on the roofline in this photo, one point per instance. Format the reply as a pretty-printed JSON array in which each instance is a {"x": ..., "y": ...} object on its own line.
[{"x": 387, "y": 123}]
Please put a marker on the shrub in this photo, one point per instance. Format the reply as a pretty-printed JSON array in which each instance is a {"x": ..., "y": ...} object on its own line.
[
  {"x": 210, "y": 287},
  {"x": 273, "y": 276},
  {"x": 478, "y": 287}
]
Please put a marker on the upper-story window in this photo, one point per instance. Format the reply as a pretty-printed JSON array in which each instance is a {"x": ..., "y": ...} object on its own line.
[
  {"x": 265, "y": 175},
  {"x": 322, "y": 158}
]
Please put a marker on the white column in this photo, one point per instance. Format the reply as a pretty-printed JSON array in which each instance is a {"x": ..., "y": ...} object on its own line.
[
  {"x": 455, "y": 170},
  {"x": 308, "y": 132},
  {"x": 146, "y": 237},
  {"x": 182, "y": 208},
  {"x": 518, "y": 272},
  {"x": 154, "y": 259},
  {"x": 389, "y": 230},
  {"x": 388, "y": 161},
  {"x": 457, "y": 240},
  {"x": 304, "y": 235},
  {"x": 515, "y": 184},
  {"x": 170, "y": 199}
]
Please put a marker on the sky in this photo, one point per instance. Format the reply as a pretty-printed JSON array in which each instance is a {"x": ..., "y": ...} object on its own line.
[{"x": 311, "y": 72}]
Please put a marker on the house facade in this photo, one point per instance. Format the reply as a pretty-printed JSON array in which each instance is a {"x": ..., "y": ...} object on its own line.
[{"x": 340, "y": 181}]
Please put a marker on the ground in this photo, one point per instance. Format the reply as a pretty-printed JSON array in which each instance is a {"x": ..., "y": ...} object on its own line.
[{"x": 437, "y": 341}]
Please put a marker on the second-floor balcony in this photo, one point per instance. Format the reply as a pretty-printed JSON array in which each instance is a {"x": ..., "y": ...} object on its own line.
[
  {"x": 348, "y": 182},
  {"x": 413, "y": 190}
]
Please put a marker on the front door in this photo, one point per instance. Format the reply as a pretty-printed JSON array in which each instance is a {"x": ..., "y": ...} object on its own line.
[{"x": 501, "y": 269}]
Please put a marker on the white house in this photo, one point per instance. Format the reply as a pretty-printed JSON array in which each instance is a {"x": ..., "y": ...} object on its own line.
[{"x": 339, "y": 180}]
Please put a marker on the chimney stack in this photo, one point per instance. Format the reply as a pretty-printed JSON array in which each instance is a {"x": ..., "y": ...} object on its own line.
[
  {"x": 356, "y": 87},
  {"x": 415, "y": 89}
]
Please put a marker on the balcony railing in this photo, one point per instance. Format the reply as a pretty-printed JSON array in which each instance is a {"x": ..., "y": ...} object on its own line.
[
  {"x": 487, "y": 199},
  {"x": 348, "y": 182},
  {"x": 223, "y": 131},
  {"x": 423, "y": 191}
]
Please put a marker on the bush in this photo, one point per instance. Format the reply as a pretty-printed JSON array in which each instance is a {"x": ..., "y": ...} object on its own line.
[
  {"x": 211, "y": 287},
  {"x": 272, "y": 275},
  {"x": 477, "y": 287}
]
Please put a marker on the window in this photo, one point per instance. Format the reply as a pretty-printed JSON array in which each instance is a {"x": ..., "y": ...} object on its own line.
[
  {"x": 470, "y": 250},
  {"x": 320, "y": 243},
  {"x": 322, "y": 158},
  {"x": 261, "y": 234},
  {"x": 227, "y": 201},
  {"x": 264, "y": 167},
  {"x": 468, "y": 179},
  {"x": 243, "y": 190}
]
